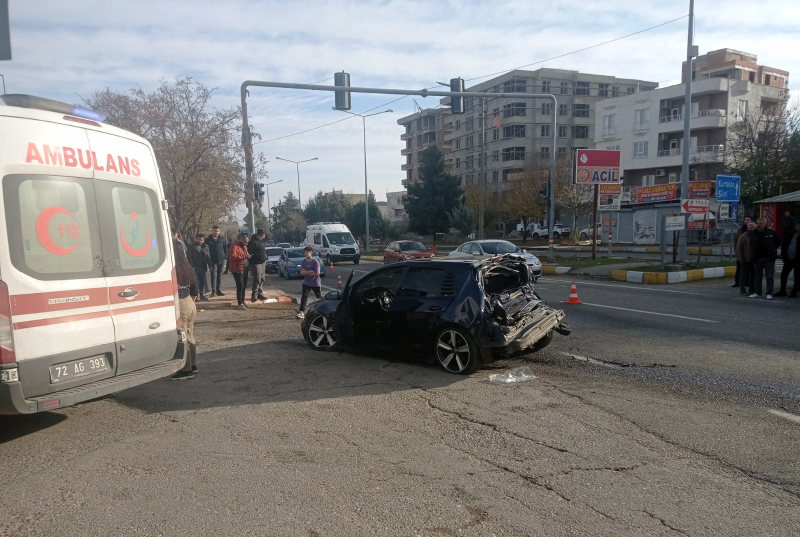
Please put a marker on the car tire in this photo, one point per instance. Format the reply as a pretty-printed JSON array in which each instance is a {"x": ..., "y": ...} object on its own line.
[
  {"x": 319, "y": 333},
  {"x": 356, "y": 261},
  {"x": 584, "y": 236},
  {"x": 544, "y": 342},
  {"x": 535, "y": 235},
  {"x": 466, "y": 360},
  {"x": 556, "y": 234},
  {"x": 328, "y": 260}
]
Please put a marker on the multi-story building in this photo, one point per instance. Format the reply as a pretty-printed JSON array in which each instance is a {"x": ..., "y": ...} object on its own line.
[
  {"x": 397, "y": 214},
  {"x": 422, "y": 129},
  {"x": 735, "y": 65}
]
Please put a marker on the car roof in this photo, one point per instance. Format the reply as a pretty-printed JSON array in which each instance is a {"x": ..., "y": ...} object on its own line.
[{"x": 481, "y": 241}]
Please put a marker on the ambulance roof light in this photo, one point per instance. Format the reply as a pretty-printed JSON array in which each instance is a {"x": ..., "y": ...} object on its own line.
[{"x": 40, "y": 103}]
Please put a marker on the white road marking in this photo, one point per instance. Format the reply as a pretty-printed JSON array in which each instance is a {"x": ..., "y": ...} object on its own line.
[
  {"x": 785, "y": 415},
  {"x": 631, "y": 287},
  {"x": 650, "y": 312}
]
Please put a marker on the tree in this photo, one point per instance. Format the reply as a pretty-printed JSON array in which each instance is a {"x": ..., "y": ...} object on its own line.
[
  {"x": 525, "y": 202},
  {"x": 461, "y": 218},
  {"x": 262, "y": 221},
  {"x": 493, "y": 206},
  {"x": 326, "y": 207},
  {"x": 357, "y": 222},
  {"x": 288, "y": 223},
  {"x": 430, "y": 201},
  {"x": 197, "y": 147}
]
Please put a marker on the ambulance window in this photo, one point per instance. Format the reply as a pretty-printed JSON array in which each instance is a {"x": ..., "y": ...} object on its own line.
[
  {"x": 52, "y": 226},
  {"x": 134, "y": 242}
]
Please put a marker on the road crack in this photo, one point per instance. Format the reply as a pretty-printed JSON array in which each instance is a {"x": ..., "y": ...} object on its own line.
[{"x": 664, "y": 523}]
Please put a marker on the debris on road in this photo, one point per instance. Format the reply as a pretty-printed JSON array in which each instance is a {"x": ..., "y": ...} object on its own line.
[{"x": 518, "y": 374}]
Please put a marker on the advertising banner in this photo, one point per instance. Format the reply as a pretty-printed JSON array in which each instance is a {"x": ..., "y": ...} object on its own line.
[{"x": 649, "y": 194}]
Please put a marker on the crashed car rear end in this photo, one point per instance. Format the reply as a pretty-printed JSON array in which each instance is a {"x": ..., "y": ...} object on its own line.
[{"x": 515, "y": 318}]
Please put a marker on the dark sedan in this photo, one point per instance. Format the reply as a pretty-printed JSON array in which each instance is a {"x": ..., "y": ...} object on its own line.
[{"x": 462, "y": 313}]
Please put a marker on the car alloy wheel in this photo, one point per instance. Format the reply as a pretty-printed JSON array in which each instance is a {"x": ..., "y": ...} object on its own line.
[
  {"x": 454, "y": 352},
  {"x": 321, "y": 334}
]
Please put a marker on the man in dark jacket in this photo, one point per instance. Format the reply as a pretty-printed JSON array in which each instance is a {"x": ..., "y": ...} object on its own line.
[
  {"x": 788, "y": 224},
  {"x": 739, "y": 232},
  {"x": 764, "y": 251},
  {"x": 218, "y": 251},
  {"x": 790, "y": 253},
  {"x": 200, "y": 259},
  {"x": 258, "y": 258}
]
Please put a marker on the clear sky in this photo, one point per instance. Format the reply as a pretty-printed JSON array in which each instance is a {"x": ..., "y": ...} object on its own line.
[{"x": 66, "y": 49}]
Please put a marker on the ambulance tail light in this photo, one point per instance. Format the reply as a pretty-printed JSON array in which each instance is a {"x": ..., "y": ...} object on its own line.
[{"x": 7, "y": 355}]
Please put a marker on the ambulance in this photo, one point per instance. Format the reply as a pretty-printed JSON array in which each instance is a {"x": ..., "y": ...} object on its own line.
[{"x": 88, "y": 292}]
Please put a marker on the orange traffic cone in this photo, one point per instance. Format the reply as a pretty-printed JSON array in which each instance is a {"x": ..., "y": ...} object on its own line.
[
  {"x": 339, "y": 282},
  {"x": 332, "y": 265},
  {"x": 573, "y": 295}
]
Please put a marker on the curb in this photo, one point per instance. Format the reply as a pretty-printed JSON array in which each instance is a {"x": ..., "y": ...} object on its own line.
[
  {"x": 372, "y": 258},
  {"x": 672, "y": 277},
  {"x": 555, "y": 269}
]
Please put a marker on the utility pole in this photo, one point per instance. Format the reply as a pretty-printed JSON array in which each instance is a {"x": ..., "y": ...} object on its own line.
[
  {"x": 482, "y": 157},
  {"x": 691, "y": 51}
]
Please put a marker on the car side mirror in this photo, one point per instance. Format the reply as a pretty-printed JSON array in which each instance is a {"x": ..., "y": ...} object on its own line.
[{"x": 334, "y": 295}]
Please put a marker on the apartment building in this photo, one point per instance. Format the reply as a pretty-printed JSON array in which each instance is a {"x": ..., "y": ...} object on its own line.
[
  {"x": 422, "y": 129},
  {"x": 397, "y": 214},
  {"x": 735, "y": 65}
]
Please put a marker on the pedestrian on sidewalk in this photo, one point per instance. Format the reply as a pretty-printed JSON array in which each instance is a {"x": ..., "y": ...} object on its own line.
[
  {"x": 739, "y": 232},
  {"x": 788, "y": 224},
  {"x": 237, "y": 255},
  {"x": 187, "y": 294},
  {"x": 764, "y": 251},
  {"x": 200, "y": 259},
  {"x": 218, "y": 251},
  {"x": 309, "y": 270},
  {"x": 257, "y": 249},
  {"x": 790, "y": 253},
  {"x": 744, "y": 261}
]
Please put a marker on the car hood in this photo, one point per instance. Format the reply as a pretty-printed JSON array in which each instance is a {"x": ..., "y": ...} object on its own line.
[{"x": 418, "y": 253}]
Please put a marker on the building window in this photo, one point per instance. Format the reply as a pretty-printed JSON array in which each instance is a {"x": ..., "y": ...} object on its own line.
[
  {"x": 458, "y": 143},
  {"x": 562, "y": 152},
  {"x": 613, "y": 148},
  {"x": 544, "y": 153},
  {"x": 515, "y": 85},
  {"x": 752, "y": 76},
  {"x": 408, "y": 175},
  {"x": 741, "y": 111},
  {"x": 514, "y": 131},
  {"x": 469, "y": 180},
  {"x": 563, "y": 131},
  {"x": 513, "y": 153},
  {"x": 495, "y": 176},
  {"x": 581, "y": 110},
  {"x": 458, "y": 124},
  {"x": 767, "y": 80},
  {"x": 469, "y": 124},
  {"x": 673, "y": 178},
  {"x": 458, "y": 163},
  {"x": 514, "y": 109},
  {"x": 582, "y": 88},
  {"x": 639, "y": 149},
  {"x": 547, "y": 108},
  {"x": 631, "y": 89},
  {"x": 641, "y": 119},
  {"x": 581, "y": 131},
  {"x": 545, "y": 131},
  {"x": 470, "y": 142},
  {"x": 648, "y": 180},
  {"x": 495, "y": 134},
  {"x": 496, "y": 155},
  {"x": 467, "y": 103},
  {"x": 469, "y": 162},
  {"x": 565, "y": 88},
  {"x": 563, "y": 109},
  {"x": 609, "y": 124},
  {"x": 545, "y": 86}
]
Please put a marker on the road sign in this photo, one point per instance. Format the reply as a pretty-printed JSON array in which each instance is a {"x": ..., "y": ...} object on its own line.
[
  {"x": 596, "y": 166},
  {"x": 724, "y": 211},
  {"x": 728, "y": 187},
  {"x": 609, "y": 197},
  {"x": 675, "y": 223},
  {"x": 694, "y": 206}
]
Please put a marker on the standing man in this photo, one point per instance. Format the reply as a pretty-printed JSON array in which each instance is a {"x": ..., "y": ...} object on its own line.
[
  {"x": 739, "y": 232},
  {"x": 218, "y": 251},
  {"x": 788, "y": 224},
  {"x": 258, "y": 259},
  {"x": 177, "y": 236},
  {"x": 200, "y": 259},
  {"x": 764, "y": 247},
  {"x": 309, "y": 270},
  {"x": 744, "y": 263},
  {"x": 790, "y": 253}
]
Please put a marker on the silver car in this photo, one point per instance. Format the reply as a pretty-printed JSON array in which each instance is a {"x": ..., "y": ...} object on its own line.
[{"x": 484, "y": 249}]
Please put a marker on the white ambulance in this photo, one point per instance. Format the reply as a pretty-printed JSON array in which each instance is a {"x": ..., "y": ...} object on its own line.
[
  {"x": 88, "y": 293},
  {"x": 333, "y": 242}
]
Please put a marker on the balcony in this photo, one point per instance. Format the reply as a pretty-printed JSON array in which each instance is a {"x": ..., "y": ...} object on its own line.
[
  {"x": 407, "y": 151},
  {"x": 701, "y": 154},
  {"x": 609, "y": 131},
  {"x": 406, "y": 135},
  {"x": 405, "y": 167},
  {"x": 699, "y": 149},
  {"x": 703, "y": 119}
]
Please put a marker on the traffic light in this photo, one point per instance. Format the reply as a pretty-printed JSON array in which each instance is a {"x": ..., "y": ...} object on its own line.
[
  {"x": 545, "y": 190},
  {"x": 342, "y": 98},
  {"x": 258, "y": 193},
  {"x": 457, "y": 103}
]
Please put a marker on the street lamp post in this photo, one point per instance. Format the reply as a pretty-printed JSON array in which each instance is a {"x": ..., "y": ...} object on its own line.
[
  {"x": 269, "y": 210},
  {"x": 297, "y": 163},
  {"x": 366, "y": 187}
]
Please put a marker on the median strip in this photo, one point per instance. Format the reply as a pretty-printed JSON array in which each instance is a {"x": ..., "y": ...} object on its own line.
[{"x": 633, "y": 276}]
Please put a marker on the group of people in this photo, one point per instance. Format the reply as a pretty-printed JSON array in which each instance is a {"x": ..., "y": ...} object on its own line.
[{"x": 757, "y": 248}]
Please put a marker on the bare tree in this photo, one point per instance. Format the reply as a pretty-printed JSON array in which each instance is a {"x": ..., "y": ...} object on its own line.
[{"x": 197, "y": 147}]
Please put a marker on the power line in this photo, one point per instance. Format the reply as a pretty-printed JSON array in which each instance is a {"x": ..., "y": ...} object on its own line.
[{"x": 480, "y": 77}]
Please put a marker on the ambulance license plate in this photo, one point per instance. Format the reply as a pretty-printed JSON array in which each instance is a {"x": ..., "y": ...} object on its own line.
[{"x": 78, "y": 368}]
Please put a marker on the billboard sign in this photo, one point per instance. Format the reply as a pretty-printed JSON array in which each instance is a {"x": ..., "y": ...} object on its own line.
[
  {"x": 728, "y": 188},
  {"x": 609, "y": 198},
  {"x": 700, "y": 189},
  {"x": 596, "y": 166},
  {"x": 649, "y": 194},
  {"x": 675, "y": 223}
]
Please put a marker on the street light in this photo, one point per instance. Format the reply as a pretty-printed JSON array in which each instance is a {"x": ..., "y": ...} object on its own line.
[
  {"x": 297, "y": 163},
  {"x": 366, "y": 188},
  {"x": 269, "y": 211}
]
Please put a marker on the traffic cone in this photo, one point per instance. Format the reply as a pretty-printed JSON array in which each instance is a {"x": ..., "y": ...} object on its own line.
[
  {"x": 339, "y": 282},
  {"x": 332, "y": 265},
  {"x": 573, "y": 295}
]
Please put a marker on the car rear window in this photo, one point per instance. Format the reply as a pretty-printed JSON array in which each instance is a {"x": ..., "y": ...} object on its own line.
[
  {"x": 52, "y": 226},
  {"x": 427, "y": 282},
  {"x": 499, "y": 247},
  {"x": 274, "y": 251}
]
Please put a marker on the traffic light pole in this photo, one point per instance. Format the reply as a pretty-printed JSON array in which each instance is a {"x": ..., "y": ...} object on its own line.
[{"x": 346, "y": 90}]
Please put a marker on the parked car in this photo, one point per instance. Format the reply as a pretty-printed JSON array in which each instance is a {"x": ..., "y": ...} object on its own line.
[
  {"x": 484, "y": 249},
  {"x": 289, "y": 263},
  {"x": 537, "y": 231},
  {"x": 283, "y": 245},
  {"x": 273, "y": 256},
  {"x": 586, "y": 233},
  {"x": 405, "y": 251},
  {"x": 462, "y": 313}
]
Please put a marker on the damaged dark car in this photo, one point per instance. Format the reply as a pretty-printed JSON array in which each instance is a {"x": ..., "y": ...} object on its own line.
[{"x": 460, "y": 313}]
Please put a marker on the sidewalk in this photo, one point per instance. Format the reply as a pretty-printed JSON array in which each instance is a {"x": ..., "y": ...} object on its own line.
[{"x": 275, "y": 298}]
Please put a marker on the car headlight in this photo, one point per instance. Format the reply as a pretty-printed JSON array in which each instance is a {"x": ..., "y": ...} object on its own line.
[
  {"x": 291, "y": 264},
  {"x": 406, "y": 256},
  {"x": 535, "y": 260}
]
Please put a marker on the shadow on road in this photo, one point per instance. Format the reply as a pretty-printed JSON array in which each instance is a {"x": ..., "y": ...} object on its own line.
[
  {"x": 282, "y": 371},
  {"x": 13, "y": 427}
]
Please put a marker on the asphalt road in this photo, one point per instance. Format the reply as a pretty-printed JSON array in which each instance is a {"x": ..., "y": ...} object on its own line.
[{"x": 669, "y": 411}]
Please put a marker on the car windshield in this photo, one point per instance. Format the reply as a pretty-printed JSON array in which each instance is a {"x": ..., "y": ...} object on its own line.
[
  {"x": 409, "y": 246},
  {"x": 297, "y": 252},
  {"x": 499, "y": 247},
  {"x": 274, "y": 251},
  {"x": 340, "y": 238}
]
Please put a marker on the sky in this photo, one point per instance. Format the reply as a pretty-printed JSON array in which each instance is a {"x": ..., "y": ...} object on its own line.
[{"x": 67, "y": 50}]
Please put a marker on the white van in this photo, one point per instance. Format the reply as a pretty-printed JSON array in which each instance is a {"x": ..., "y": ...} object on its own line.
[
  {"x": 88, "y": 292},
  {"x": 333, "y": 242}
]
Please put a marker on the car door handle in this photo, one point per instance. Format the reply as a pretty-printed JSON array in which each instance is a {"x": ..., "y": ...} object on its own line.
[
  {"x": 129, "y": 292},
  {"x": 434, "y": 308}
]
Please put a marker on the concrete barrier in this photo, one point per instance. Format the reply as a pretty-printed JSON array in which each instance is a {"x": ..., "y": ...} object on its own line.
[{"x": 672, "y": 277}]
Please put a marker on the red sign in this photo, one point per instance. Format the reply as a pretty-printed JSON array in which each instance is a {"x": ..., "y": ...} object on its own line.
[
  {"x": 611, "y": 190},
  {"x": 694, "y": 206},
  {"x": 597, "y": 166},
  {"x": 700, "y": 189},
  {"x": 649, "y": 194}
]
